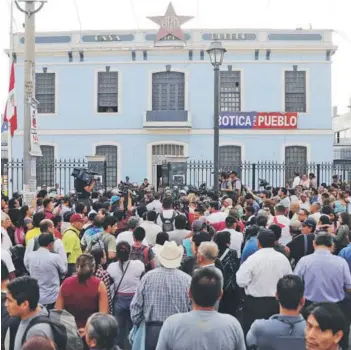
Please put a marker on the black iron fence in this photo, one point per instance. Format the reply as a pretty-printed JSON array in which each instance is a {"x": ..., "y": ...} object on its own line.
[{"x": 195, "y": 173}]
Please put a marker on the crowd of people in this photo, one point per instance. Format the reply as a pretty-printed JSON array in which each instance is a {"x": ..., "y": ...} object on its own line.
[{"x": 247, "y": 270}]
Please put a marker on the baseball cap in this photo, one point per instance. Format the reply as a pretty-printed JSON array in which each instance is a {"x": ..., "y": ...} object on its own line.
[
  {"x": 310, "y": 222},
  {"x": 76, "y": 218},
  {"x": 197, "y": 225},
  {"x": 114, "y": 199}
]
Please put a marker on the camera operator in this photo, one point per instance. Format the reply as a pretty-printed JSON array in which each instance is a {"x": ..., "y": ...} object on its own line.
[{"x": 84, "y": 190}]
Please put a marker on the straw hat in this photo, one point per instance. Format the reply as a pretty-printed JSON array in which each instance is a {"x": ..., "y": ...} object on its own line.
[{"x": 170, "y": 255}]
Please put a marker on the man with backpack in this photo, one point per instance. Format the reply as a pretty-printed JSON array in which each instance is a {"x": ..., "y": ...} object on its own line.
[
  {"x": 151, "y": 229},
  {"x": 141, "y": 252},
  {"x": 166, "y": 218}
]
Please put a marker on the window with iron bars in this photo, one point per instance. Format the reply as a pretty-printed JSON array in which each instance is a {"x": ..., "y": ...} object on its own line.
[
  {"x": 110, "y": 153},
  {"x": 107, "y": 99},
  {"x": 45, "y": 92},
  {"x": 295, "y": 91},
  {"x": 168, "y": 91},
  {"x": 230, "y": 91},
  {"x": 168, "y": 150},
  {"x": 295, "y": 162},
  {"x": 46, "y": 167},
  {"x": 230, "y": 158}
]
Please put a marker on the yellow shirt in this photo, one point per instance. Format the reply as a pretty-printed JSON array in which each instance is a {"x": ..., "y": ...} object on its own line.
[
  {"x": 34, "y": 232},
  {"x": 71, "y": 243}
]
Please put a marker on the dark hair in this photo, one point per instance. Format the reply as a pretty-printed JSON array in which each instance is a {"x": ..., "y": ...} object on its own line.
[
  {"x": 345, "y": 219},
  {"x": 161, "y": 238},
  {"x": 37, "y": 218},
  {"x": 109, "y": 221},
  {"x": 222, "y": 239},
  {"x": 229, "y": 221},
  {"x": 280, "y": 209},
  {"x": 329, "y": 316},
  {"x": 12, "y": 203},
  {"x": 250, "y": 209},
  {"x": 141, "y": 210},
  {"x": 4, "y": 272},
  {"x": 39, "y": 202},
  {"x": 324, "y": 219},
  {"x": 180, "y": 222},
  {"x": 262, "y": 221},
  {"x": 46, "y": 202},
  {"x": 307, "y": 213},
  {"x": 123, "y": 251},
  {"x": 277, "y": 230},
  {"x": 57, "y": 219},
  {"x": 151, "y": 216},
  {"x": 200, "y": 237},
  {"x": 249, "y": 196},
  {"x": 38, "y": 342},
  {"x": 65, "y": 199},
  {"x": 97, "y": 206},
  {"x": 324, "y": 240},
  {"x": 205, "y": 287},
  {"x": 157, "y": 196},
  {"x": 284, "y": 190},
  {"x": 327, "y": 210},
  {"x": 105, "y": 205},
  {"x": 290, "y": 290},
  {"x": 266, "y": 237},
  {"x": 252, "y": 231},
  {"x": 167, "y": 203},
  {"x": 23, "y": 289},
  {"x": 45, "y": 238},
  {"x": 139, "y": 234},
  {"x": 98, "y": 254},
  {"x": 103, "y": 329},
  {"x": 80, "y": 207},
  {"x": 85, "y": 266},
  {"x": 214, "y": 205}
]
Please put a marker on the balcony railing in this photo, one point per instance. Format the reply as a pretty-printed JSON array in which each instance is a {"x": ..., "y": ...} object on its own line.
[{"x": 169, "y": 119}]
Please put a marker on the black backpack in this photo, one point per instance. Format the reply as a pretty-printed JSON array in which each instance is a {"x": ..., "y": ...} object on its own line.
[{"x": 167, "y": 224}]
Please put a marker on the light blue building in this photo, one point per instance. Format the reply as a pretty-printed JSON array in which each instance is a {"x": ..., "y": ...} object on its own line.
[{"x": 139, "y": 101}]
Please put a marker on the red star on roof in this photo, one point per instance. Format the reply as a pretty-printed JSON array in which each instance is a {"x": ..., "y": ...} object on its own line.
[{"x": 170, "y": 24}]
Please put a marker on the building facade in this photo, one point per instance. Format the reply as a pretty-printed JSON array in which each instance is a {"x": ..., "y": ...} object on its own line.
[
  {"x": 342, "y": 136},
  {"x": 138, "y": 101}
]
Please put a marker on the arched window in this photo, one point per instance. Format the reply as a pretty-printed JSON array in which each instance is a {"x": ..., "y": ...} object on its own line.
[
  {"x": 110, "y": 152},
  {"x": 295, "y": 161},
  {"x": 46, "y": 166},
  {"x": 230, "y": 158},
  {"x": 168, "y": 91}
]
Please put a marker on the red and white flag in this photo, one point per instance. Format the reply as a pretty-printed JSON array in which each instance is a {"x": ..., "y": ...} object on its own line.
[{"x": 10, "y": 114}]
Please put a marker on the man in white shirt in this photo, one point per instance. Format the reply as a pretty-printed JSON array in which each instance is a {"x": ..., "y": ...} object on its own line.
[
  {"x": 284, "y": 198},
  {"x": 304, "y": 202},
  {"x": 6, "y": 242},
  {"x": 236, "y": 237},
  {"x": 155, "y": 205},
  {"x": 283, "y": 222},
  {"x": 259, "y": 275},
  {"x": 58, "y": 248},
  {"x": 180, "y": 232},
  {"x": 127, "y": 236},
  {"x": 297, "y": 180},
  {"x": 167, "y": 213},
  {"x": 151, "y": 229},
  {"x": 6, "y": 258}
]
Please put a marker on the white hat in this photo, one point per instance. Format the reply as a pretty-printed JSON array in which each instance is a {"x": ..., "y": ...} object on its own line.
[{"x": 170, "y": 255}]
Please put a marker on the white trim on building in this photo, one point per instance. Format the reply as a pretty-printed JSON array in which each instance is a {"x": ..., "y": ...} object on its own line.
[
  {"x": 53, "y": 144},
  {"x": 119, "y": 154}
]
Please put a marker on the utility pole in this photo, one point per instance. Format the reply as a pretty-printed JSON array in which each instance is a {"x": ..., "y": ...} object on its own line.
[{"x": 29, "y": 161}]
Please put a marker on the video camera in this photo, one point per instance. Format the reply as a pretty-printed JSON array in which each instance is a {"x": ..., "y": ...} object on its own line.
[{"x": 86, "y": 175}]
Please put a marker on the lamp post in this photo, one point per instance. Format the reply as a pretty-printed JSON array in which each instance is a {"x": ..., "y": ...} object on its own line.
[{"x": 216, "y": 53}]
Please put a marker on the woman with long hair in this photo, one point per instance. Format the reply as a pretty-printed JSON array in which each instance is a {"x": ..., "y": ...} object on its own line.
[
  {"x": 230, "y": 262},
  {"x": 83, "y": 294},
  {"x": 342, "y": 234},
  {"x": 99, "y": 272},
  {"x": 23, "y": 224},
  {"x": 126, "y": 275}
]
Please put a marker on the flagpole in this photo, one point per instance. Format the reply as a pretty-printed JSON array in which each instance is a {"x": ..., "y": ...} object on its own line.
[{"x": 9, "y": 137}]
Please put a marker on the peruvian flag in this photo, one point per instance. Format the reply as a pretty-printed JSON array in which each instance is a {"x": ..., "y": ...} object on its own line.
[{"x": 10, "y": 114}]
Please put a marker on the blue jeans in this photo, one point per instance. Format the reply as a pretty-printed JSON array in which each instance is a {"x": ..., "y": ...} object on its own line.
[{"x": 122, "y": 314}]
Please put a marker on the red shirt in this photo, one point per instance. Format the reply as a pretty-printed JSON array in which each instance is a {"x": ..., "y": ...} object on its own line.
[{"x": 81, "y": 299}]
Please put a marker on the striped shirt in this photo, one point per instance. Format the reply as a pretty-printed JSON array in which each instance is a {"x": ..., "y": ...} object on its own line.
[{"x": 162, "y": 292}]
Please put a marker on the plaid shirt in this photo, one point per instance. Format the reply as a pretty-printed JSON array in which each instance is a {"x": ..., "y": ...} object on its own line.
[
  {"x": 161, "y": 293},
  {"x": 105, "y": 278}
]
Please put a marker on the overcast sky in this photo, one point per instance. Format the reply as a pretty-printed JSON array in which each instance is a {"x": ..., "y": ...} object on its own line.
[{"x": 131, "y": 14}]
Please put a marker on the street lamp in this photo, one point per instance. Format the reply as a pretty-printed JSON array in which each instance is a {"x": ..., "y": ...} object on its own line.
[{"x": 216, "y": 53}]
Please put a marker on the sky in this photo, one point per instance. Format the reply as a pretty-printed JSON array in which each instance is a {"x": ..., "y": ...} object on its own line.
[{"x": 61, "y": 15}]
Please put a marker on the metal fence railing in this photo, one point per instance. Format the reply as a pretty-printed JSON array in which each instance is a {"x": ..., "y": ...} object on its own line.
[{"x": 195, "y": 172}]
